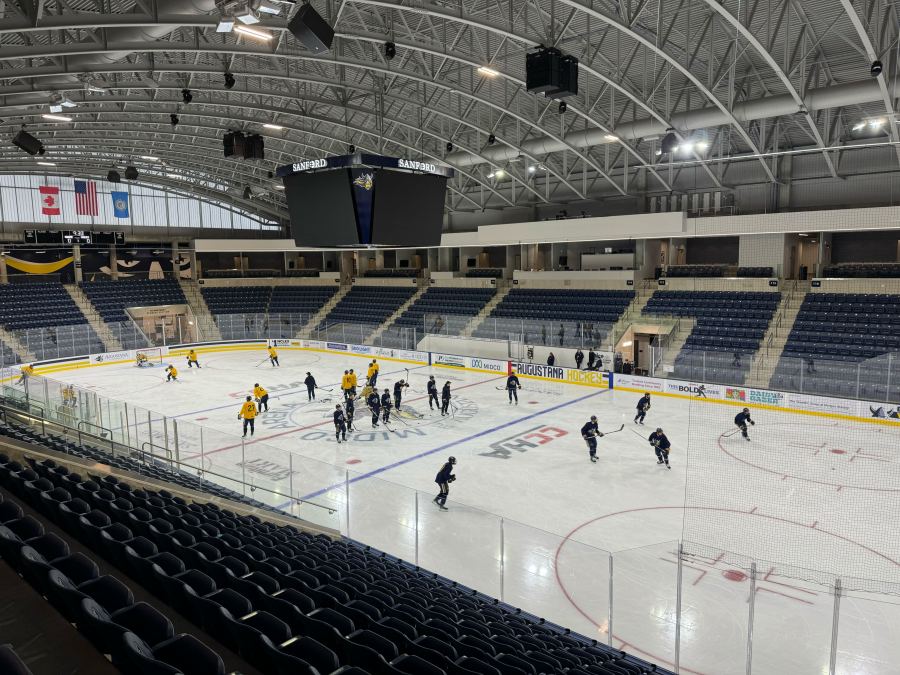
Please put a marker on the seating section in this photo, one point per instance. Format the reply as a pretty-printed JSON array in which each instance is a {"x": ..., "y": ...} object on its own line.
[
  {"x": 138, "y": 637},
  {"x": 285, "y": 600},
  {"x": 110, "y": 298},
  {"x": 729, "y": 327},
  {"x": 863, "y": 270},
  {"x": 236, "y": 299},
  {"x": 302, "y": 273},
  {"x": 485, "y": 273},
  {"x": 7, "y": 355},
  {"x": 300, "y": 299},
  {"x": 46, "y": 320},
  {"x": 757, "y": 272},
  {"x": 453, "y": 309},
  {"x": 695, "y": 271},
  {"x": 836, "y": 340},
  {"x": 247, "y": 274},
  {"x": 402, "y": 272},
  {"x": 556, "y": 316},
  {"x": 368, "y": 304}
]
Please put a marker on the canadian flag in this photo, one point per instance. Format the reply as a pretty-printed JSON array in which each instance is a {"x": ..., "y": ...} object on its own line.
[{"x": 49, "y": 200}]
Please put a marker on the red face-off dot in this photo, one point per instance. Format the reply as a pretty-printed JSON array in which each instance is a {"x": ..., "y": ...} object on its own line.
[
  {"x": 353, "y": 461},
  {"x": 838, "y": 451},
  {"x": 734, "y": 575}
]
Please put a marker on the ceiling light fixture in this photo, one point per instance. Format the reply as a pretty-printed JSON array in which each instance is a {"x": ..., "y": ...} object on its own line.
[
  {"x": 488, "y": 72},
  {"x": 253, "y": 32},
  {"x": 56, "y": 118},
  {"x": 226, "y": 24},
  {"x": 47, "y": 163},
  {"x": 269, "y": 8},
  {"x": 229, "y": 80},
  {"x": 276, "y": 127},
  {"x": 173, "y": 118},
  {"x": 390, "y": 50},
  {"x": 247, "y": 15},
  {"x": 149, "y": 158},
  {"x": 611, "y": 138},
  {"x": 186, "y": 96},
  {"x": 532, "y": 169}
]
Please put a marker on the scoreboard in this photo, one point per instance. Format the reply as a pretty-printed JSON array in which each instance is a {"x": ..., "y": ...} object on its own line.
[{"x": 73, "y": 237}]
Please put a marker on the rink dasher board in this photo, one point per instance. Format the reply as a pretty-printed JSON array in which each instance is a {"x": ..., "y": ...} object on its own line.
[
  {"x": 850, "y": 409},
  {"x": 732, "y": 395}
]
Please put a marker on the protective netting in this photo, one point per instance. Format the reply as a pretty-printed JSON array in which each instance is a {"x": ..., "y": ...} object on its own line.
[{"x": 817, "y": 492}]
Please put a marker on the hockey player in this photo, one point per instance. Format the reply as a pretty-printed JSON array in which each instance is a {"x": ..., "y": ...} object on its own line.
[
  {"x": 142, "y": 360},
  {"x": 345, "y": 383},
  {"x": 248, "y": 414},
  {"x": 398, "y": 393},
  {"x": 444, "y": 477},
  {"x": 579, "y": 358},
  {"x": 590, "y": 432},
  {"x": 172, "y": 375},
  {"x": 26, "y": 372},
  {"x": 374, "y": 403},
  {"x": 386, "y": 406},
  {"x": 310, "y": 383},
  {"x": 741, "y": 420},
  {"x": 353, "y": 383},
  {"x": 643, "y": 405},
  {"x": 340, "y": 424},
  {"x": 512, "y": 387},
  {"x": 262, "y": 397},
  {"x": 445, "y": 398},
  {"x": 69, "y": 397},
  {"x": 372, "y": 373},
  {"x": 551, "y": 359},
  {"x": 661, "y": 444},
  {"x": 431, "y": 387},
  {"x": 591, "y": 358},
  {"x": 350, "y": 410},
  {"x": 192, "y": 359},
  {"x": 273, "y": 356}
]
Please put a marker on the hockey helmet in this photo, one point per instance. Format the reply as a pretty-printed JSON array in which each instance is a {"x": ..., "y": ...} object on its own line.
[{"x": 452, "y": 460}]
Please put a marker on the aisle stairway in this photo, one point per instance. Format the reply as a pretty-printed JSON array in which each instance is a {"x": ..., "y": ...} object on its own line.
[
  {"x": 772, "y": 345},
  {"x": 376, "y": 335},
  {"x": 503, "y": 289},
  {"x": 317, "y": 318},
  {"x": 205, "y": 322},
  {"x": 103, "y": 331}
]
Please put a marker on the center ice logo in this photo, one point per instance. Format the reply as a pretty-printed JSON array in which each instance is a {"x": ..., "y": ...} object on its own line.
[{"x": 524, "y": 441}]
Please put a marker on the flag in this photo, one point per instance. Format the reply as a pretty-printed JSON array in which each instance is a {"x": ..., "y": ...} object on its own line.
[
  {"x": 49, "y": 200},
  {"x": 120, "y": 204},
  {"x": 86, "y": 198}
]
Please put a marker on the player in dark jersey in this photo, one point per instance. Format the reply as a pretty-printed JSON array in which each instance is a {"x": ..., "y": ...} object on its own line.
[
  {"x": 444, "y": 477},
  {"x": 512, "y": 387},
  {"x": 340, "y": 424},
  {"x": 349, "y": 410},
  {"x": 398, "y": 393},
  {"x": 374, "y": 404},
  {"x": 661, "y": 444},
  {"x": 386, "y": 406},
  {"x": 643, "y": 405},
  {"x": 445, "y": 398},
  {"x": 432, "y": 393},
  {"x": 741, "y": 420},
  {"x": 590, "y": 433}
]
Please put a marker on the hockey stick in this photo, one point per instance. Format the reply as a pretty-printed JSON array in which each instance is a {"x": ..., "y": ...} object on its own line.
[
  {"x": 260, "y": 363},
  {"x": 731, "y": 433},
  {"x": 614, "y": 431},
  {"x": 635, "y": 432}
]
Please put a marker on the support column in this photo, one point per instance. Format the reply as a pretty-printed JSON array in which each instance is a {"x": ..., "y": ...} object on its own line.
[
  {"x": 76, "y": 263},
  {"x": 113, "y": 263},
  {"x": 4, "y": 273},
  {"x": 346, "y": 265},
  {"x": 176, "y": 267}
]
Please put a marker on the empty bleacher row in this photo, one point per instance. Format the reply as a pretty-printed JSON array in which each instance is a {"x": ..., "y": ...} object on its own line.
[
  {"x": 284, "y": 600},
  {"x": 368, "y": 304},
  {"x": 46, "y": 320},
  {"x": 445, "y": 310},
  {"x": 695, "y": 271},
  {"x": 261, "y": 299},
  {"x": 568, "y": 317},
  {"x": 110, "y": 298},
  {"x": 863, "y": 270},
  {"x": 729, "y": 327},
  {"x": 839, "y": 339},
  {"x": 394, "y": 273},
  {"x": 757, "y": 272},
  {"x": 485, "y": 273}
]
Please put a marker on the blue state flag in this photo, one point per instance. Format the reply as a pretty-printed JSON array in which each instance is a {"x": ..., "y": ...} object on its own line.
[{"x": 120, "y": 204}]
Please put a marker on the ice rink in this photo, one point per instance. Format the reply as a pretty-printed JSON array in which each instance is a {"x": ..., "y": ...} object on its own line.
[{"x": 533, "y": 521}]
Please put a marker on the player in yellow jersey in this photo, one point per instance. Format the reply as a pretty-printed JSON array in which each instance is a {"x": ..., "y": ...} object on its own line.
[
  {"x": 346, "y": 383},
  {"x": 172, "y": 373},
  {"x": 26, "y": 372},
  {"x": 192, "y": 359},
  {"x": 273, "y": 356},
  {"x": 248, "y": 414},
  {"x": 68, "y": 396},
  {"x": 372, "y": 374},
  {"x": 353, "y": 383},
  {"x": 261, "y": 396}
]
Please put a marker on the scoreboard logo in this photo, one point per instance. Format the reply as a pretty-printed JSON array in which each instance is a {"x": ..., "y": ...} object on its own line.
[
  {"x": 366, "y": 181},
  {"x": 416, "y": 165},
  {"x": 310, "y": 164}
]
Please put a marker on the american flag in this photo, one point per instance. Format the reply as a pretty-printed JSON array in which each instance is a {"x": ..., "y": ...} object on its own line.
[{"x": 86, "y": 198}]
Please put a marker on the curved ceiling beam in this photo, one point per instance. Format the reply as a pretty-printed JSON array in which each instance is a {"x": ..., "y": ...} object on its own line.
[
  {"x": 872, "y": 55},
  {"x": 283, "y": 112},
  {"x": 614, "y": 23},
  {"x": 779, "y": 72},
  {"x": 131, "y": 122},
  {"x": 67, "y": 50}
]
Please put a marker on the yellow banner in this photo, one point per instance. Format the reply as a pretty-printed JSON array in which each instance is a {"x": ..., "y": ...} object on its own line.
[{"x": 38, "y": 268}]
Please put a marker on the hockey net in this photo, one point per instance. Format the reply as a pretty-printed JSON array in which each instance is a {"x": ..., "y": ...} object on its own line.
[{"x": 150, "y": 356}]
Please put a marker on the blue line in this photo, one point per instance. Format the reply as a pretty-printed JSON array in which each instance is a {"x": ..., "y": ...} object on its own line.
[{"x": 485, "y": 432}]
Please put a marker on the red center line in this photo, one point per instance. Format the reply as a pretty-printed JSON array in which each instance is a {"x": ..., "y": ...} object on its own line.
[{"x": 317, "y": 424}]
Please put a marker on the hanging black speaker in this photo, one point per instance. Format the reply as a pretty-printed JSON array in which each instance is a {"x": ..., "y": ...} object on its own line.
[{"x": 311, "y": 30}]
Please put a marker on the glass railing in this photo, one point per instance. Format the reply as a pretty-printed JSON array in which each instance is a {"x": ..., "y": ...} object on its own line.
[{"x": 571, "y": 334}]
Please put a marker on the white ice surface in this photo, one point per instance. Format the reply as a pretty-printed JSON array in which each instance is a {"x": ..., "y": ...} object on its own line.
[{"x": 560, "y": 513}]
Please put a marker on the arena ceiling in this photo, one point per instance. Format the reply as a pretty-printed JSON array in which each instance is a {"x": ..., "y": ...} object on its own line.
[{"x": 742, "y": 81}]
